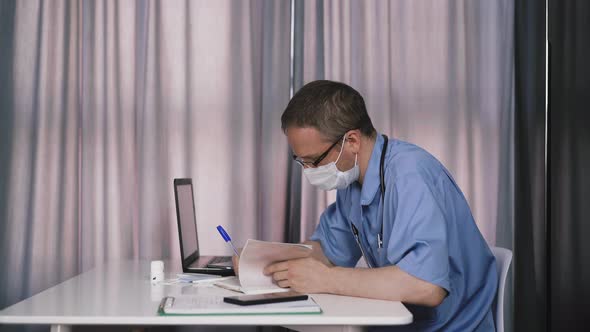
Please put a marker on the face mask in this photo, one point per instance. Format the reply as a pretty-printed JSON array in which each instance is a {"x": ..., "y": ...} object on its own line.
[{"x": 329, "y": 177}]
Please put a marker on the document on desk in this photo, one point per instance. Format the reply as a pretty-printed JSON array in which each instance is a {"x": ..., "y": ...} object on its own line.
[
  {"x": 257, "y": 255},
  {"x": 214, "y": 305}
]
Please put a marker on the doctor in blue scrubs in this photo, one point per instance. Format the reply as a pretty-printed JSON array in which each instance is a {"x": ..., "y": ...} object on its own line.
[{"x": 397, "y": 206}]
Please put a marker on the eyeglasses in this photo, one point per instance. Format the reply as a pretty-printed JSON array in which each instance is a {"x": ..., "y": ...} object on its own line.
[{"x": 319, "y": 159}]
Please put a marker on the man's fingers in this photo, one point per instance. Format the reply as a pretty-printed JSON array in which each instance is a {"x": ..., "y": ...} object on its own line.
[
  {"x": 281, "y": 266},
  {"x": 281, "y": 275},
  {"x": 284, "y": 283}
]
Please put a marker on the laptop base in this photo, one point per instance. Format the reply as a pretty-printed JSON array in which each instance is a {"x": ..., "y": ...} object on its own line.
[{"x": 201, "y": 266}]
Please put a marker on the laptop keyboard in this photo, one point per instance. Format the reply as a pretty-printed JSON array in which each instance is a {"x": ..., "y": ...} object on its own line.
[{"x": 220, "y": 259}]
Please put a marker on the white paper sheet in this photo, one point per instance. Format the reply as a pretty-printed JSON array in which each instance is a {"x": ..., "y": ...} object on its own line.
[
  {"x": 257, "y": 255},
  {"x": 215, "y": 305}
]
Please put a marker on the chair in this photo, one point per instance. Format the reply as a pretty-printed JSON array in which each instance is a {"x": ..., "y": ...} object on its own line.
[{"x": 503, "y": 259}]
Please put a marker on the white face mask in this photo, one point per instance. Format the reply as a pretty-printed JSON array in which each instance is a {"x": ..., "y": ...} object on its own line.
[{"x": 329, "y": 177}]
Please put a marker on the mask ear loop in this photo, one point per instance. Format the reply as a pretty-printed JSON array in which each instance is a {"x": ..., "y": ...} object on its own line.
[{"x": 341, "y": 149}]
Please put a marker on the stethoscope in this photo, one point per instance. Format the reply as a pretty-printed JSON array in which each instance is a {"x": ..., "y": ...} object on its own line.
[{"x": 355, "y": 231}]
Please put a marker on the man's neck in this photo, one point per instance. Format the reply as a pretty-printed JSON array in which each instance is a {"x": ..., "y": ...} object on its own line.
[{"x": 367, "y": 145}]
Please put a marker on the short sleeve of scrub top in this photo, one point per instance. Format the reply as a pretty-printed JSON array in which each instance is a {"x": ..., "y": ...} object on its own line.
[{"x": 418, "y": 239}]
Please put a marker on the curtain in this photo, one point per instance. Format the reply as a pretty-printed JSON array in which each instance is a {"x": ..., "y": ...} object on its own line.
[
  {"x": 530, "y": 263},
  {"x": 439, "y": 74},
  {"x": 568, "y": 179},
  {"x": 105, "y": 102}
]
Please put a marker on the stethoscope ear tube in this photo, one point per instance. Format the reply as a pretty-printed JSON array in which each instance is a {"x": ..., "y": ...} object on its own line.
[
  {"x": 358, "y": 241},
  {"x": 382, "y": 187}
]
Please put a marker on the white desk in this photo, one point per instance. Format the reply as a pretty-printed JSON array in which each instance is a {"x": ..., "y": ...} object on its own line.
[{"x": 120, "y": 293}]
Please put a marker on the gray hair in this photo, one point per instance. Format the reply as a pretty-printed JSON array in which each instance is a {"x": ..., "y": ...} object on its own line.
[{"x": 333, "y": 108}]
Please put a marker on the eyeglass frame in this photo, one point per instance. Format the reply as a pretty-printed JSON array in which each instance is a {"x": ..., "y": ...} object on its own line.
[{"x": 319, "y": 159}]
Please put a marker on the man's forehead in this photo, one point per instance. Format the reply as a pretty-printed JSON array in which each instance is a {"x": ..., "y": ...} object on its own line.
[{"x": 304, "y": 141}]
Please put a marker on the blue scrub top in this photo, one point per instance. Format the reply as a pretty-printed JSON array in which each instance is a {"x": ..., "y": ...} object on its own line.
[{"x": 428, "y": 231}]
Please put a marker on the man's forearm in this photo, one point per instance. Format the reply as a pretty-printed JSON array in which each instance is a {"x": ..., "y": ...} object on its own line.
[
  {"x": 385, "y": 283},
  {"x": 318, "y": 253}
]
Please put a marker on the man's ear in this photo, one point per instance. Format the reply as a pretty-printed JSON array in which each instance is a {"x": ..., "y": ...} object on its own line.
[{"x": 353, "y": 139}]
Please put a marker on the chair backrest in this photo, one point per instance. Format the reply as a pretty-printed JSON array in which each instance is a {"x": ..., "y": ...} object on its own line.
[{"x": 503, "y": 259}]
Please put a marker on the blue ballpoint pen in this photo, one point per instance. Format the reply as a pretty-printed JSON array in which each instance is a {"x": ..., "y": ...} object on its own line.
[{"x": 226, "y": 237}]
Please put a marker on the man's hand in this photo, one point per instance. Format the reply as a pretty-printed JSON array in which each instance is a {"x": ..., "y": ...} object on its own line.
[{"x": 303, "y": 275}]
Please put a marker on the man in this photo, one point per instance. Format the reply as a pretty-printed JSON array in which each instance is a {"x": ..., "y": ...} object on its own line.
[{"x": 397, "y": 206}]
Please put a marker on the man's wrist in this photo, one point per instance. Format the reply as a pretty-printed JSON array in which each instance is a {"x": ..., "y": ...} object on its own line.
[{"x": 333, "y": 280}]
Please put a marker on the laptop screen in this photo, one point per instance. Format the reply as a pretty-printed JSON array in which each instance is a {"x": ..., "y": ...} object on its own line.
[{"x": 188, "y": 219}]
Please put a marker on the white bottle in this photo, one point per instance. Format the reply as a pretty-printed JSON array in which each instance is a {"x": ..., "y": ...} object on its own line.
[{"x": 157, "y": 271}]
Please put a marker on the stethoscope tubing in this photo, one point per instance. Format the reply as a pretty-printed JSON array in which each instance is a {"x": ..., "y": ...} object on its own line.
[{"x": 355, "y": 231}]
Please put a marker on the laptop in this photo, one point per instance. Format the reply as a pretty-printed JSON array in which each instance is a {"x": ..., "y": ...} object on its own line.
[{"x": 192, "y": 262}]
